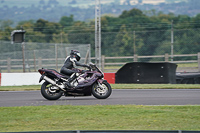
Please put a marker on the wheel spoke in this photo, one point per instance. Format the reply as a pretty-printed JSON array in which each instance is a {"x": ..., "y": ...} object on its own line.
[{"x": 102, "y": 91}]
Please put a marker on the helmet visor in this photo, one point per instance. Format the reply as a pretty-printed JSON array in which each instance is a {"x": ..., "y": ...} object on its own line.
[{"x": 79, "y": 54}]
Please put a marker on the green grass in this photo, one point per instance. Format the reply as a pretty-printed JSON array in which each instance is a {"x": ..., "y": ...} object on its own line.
[
  {"x": 20, "y": 88},
  {"x": 114, "y": 86},
  {"x": 188, "y": 65},
  {"x": 98, "y": 117}
]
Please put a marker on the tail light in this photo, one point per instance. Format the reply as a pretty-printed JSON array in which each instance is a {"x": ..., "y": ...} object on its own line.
[{"x": 41, "y": 71}]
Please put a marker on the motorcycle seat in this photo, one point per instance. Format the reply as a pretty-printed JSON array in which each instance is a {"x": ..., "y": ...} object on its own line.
[{"x": 60, "y": 74}]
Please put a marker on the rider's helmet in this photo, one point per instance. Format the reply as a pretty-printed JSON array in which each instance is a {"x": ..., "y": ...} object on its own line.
[{"x": 76, "y": 54}]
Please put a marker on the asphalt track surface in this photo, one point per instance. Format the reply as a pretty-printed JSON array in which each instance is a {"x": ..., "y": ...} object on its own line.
[{"x": 118, "y": 97}]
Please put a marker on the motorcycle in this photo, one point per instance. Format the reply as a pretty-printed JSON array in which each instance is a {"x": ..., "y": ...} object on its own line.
[{"x": 89, "y": 82}]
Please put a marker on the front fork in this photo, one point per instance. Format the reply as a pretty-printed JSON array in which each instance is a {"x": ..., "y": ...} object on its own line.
[{"x": 100, "y": 81}]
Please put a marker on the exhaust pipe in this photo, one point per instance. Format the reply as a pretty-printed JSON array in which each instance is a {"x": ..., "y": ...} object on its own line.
[{"x": 53, "y": 82}]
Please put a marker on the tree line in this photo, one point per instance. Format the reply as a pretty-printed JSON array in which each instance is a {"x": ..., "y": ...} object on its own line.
[
  {"x": 53, "y": 10},
  {"x": 132, "y": 32}
]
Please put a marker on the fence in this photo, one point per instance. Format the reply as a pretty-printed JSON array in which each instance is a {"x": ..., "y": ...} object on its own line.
[
  {"x": 141, "y": 46},
  {"x": 45, "y": 55},
  {"x": 56, "y": 63},
  {"x": 164, "y": 58}
]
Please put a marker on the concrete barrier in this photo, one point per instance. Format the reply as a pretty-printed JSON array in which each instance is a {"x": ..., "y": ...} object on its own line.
[
  {"x": 17, "y": 79},
  {"x": 110, "y": 77}
]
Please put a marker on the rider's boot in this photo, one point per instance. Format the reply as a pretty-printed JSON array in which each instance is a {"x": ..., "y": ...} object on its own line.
[{"x": 68, "y": 83}]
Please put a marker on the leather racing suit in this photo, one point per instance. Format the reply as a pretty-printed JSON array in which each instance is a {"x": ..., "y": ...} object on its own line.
[{"x": 69, "y": 68}]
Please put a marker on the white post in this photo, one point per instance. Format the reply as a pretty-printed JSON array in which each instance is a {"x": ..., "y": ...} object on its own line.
[
  {"x": 198, "y": 58},
  {"x": 23, "y": 56},
  {"x": 56, "y": 55},
  {"x": 98, "y": 33},
  {"x": 172, "y": 41},
  {"x": 134, "y": 48}
]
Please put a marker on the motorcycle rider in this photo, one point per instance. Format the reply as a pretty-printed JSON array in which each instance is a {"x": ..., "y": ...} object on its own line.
[{"x": 69, "y": 66}]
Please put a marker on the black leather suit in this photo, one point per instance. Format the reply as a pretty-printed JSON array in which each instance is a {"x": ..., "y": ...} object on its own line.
[{"x": 70, "y": 63}]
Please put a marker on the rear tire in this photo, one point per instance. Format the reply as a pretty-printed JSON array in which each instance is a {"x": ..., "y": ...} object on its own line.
[
  {"x": 101, "y": 92},
  {"x": 46, "y": 93}
]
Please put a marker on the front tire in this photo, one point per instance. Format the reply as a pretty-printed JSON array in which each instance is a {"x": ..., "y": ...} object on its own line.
[
  {"x": 101, "y": 91},
  {"x": 48, "y": 94}
]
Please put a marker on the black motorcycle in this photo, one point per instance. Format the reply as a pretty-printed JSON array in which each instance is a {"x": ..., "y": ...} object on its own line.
[{"x": 89, "y": 82}]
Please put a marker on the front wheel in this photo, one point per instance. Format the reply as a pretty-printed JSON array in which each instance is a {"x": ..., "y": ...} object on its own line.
[
  {"x": 101, "y": 91},
  {"x": 50, "y": 92}
]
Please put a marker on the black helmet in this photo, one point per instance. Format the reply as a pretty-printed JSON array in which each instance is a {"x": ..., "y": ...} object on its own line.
[{"x": 76, "y": 54}]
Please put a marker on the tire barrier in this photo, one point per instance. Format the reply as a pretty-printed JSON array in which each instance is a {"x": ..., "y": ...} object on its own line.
[
  {"x": 188, "y": 78},
  {"x": 142, "y": 72}
]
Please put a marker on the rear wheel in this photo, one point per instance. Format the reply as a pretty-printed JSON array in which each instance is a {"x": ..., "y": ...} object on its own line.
[
  {"x": 50, "y": 92},
  {"x": 101, "y": 91}
]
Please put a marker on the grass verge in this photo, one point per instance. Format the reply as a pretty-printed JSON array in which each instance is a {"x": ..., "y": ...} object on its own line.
[
  {"x": 20, "y": 88},
  {"x": 98, "y": 117},
  {"x": 114, "y": 86}
]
